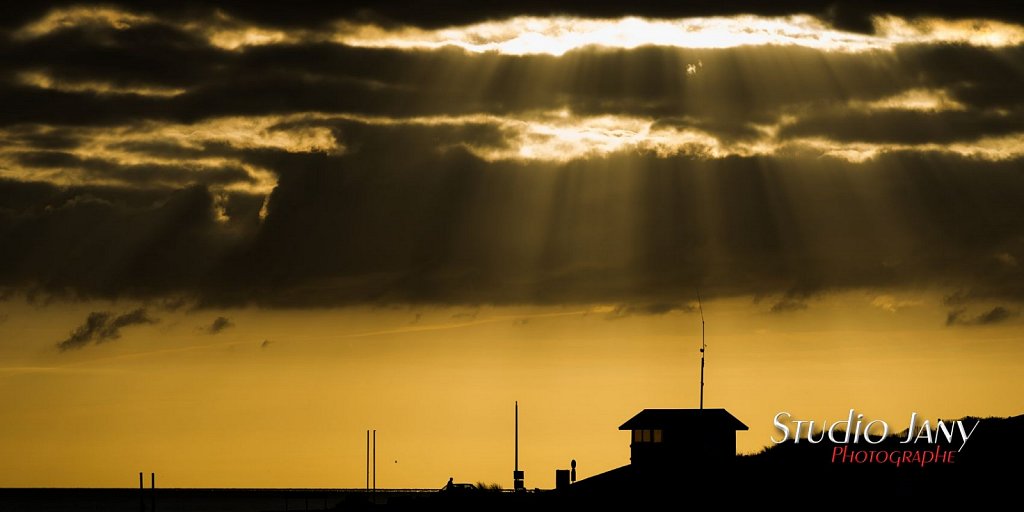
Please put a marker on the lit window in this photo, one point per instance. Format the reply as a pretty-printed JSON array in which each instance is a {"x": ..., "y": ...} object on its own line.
[
  {"x": 657, "y": 436},
  {"x": 647, "y": 436},
  {"x": 637, "y": 436}
]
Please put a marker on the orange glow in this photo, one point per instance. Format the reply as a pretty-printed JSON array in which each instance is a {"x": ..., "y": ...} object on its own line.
[
  {"x": 260, "y": 237},
  {"x": 438, "y": 385}
]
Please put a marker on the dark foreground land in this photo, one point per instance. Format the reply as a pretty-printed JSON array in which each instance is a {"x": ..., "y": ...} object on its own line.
[
  {"x": 986, "y": 471},
  {"x": 198, "y": 500},
  {"x": 259, "y": 500}
]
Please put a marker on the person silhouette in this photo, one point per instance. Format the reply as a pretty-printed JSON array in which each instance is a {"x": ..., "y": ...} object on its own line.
[{"x": 450, "y": 484}]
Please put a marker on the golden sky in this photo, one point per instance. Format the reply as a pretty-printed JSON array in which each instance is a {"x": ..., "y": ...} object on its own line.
[
  {"x": 235, "y": 237},
  {"x": 438, "y": 384}
]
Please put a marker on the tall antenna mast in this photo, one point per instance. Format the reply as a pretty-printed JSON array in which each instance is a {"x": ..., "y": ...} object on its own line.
[
  {"x": 703, "y": 346},
  {"x": 518, "y": 482}
]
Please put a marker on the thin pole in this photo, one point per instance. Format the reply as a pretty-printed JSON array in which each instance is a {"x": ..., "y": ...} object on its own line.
[
  {"x": 367, "y": 460},
  {"x": 517, "y": 435},
  {"x": 374, "y": 459},
  {"x": 703, "y": 346},
  {"x": 142, "y": 493},
  {"x": 152, "y": 496}
]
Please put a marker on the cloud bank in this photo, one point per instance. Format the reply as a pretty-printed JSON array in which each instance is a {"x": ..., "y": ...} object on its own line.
[{"x": 367, "y": 153}]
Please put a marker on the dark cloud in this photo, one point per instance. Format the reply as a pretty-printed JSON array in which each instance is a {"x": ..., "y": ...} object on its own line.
[
  {"x": 787, "y": 305},
  {"x": 648, "y": 81},
  {"x": 85, "y": 333},
  {"x": 172, "y": 304},
  {"x": 408, "y": 212},
  {"x": 995, "y": 315},
  {"x": 906, "y": 127},
  {"x": 36, "y": 105},
  {"x": 144, "y": 54},
  {"x": 219, "y": 324},
  {"x": 109, "y": 242},
  {"x": 796, "y": 297},
  {"x": 957, "y": 298},
  {"x": 653, "y": 308},
  {"x": 41, "y": 137},
  {"x": 101, "y": 326},
  {"x": 418, "y": 225},
  {"x": 847, "y": 14},
  {"x": 181, "y": 174}
]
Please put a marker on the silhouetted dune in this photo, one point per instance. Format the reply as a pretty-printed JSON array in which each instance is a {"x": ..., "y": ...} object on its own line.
[{"x": 811, "y": 474}]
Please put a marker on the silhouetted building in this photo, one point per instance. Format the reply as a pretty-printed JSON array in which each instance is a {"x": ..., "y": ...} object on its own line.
[{"x": 680, "y": 437}]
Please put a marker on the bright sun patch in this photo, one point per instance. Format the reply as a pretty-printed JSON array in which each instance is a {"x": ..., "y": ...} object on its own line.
[{"x": 558, "y": 35}]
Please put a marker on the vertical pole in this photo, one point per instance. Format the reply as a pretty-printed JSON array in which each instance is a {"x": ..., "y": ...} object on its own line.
[
  {"x": 367, "y": 460},
  {"x": 152, "y": 495},
  {"x": 703, "y": 346},
  {"x": 517, "y": 435},
  {"x": 142, "y": 493},
  {"x": 375, "y": 460}
]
